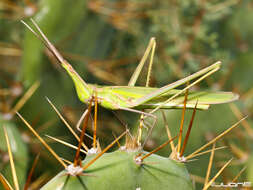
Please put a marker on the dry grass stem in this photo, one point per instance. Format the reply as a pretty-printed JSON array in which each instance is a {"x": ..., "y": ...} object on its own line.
[
  {"x": 239, "y": 115},
  {"x": 24, "y": 98},
  {"x": 197, "y": 179},
  {"x": 238, "y": 175}
]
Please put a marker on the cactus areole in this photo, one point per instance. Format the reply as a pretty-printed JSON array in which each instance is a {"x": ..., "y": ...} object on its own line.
[{"x": 124, "y": 170}]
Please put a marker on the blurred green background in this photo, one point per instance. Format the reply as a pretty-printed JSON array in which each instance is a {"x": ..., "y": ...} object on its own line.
[{"x": 104, "y": 40}]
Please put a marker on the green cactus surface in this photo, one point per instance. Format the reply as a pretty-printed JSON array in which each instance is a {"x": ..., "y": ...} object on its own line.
[{"x": 119, "y": 170}]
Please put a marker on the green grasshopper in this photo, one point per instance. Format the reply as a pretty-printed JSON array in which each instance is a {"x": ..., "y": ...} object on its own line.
[{"x": 135, "y": 99}]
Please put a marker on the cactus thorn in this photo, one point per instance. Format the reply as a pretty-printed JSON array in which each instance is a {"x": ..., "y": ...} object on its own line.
[
  {"x": 5, "y": 183},
  {"x": 210, "y": 150},
  {"x": 215, "y": 139},
  {"x": 42, "y": 141},
  {"x": 157, "y": 149},
  {"x": 102, "y": 152},
  {"x": 209, "y": 165},
  {"x": 29, "y": 178},
  {"x": 173, "y": 149},
  {"x": 182, "y": 122},
  {"x": 66, "y": 123},
  {"x": 113, "y": 134},
  {"x": 206, "y": 186},
  {"x": 188, "y": 130},
  {"x": 86, "y": 119},
  {"x": 95, "y": 121},
  {"x": 65, "y": 143},
  {"x": 13, "y": 170}
]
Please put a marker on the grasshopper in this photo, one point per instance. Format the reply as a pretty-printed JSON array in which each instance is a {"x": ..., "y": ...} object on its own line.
[{"x": 135, "y": 98}]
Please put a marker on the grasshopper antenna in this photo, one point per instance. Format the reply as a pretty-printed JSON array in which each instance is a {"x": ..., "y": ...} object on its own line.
[
  {"x": 45, "y": 40},
  {"x": 74, "y": 75}
]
